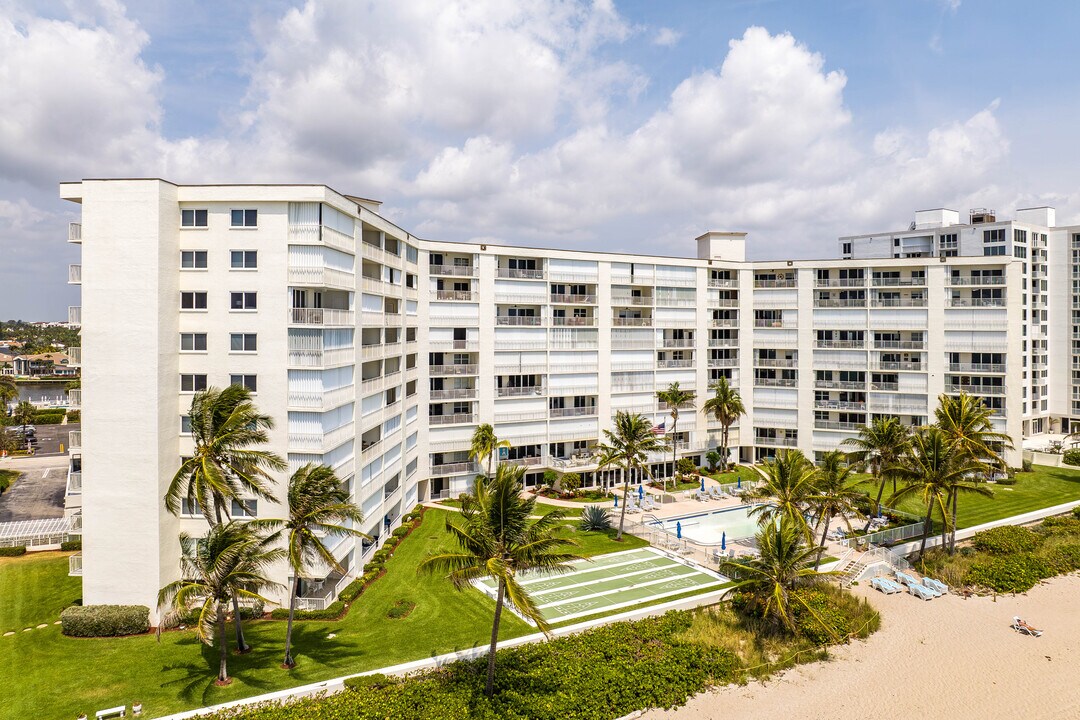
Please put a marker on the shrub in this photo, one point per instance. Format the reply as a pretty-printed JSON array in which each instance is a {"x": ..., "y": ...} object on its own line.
[
  {"x": 74, "y": 416},
  {"x": 105, "y": 620},
  {"x": 1071, "y": 457},
  {"x": 375, "y": 681},
  {"x": 13, "y": 551},
  {"x": 402, "y": 531},
  {"x": 826, "y": 611},
  {"x": 595, "y": 518},
  {"x": 1009, "y": 573},
  {"x": 1026, "y": 466},
  {"x": 71, "y": 545},
  {"x": 373, "y": 566},
  {"x": 1062, "y": 525},
  {"x": 1005, "y": 540},
  {"x": 686, "y": 466},
  {"x": 1007, "y": 480},
  {"x": 1076, "y": 512},
  {"x": 253, "y": 612},
  {"x": 1063, "y": 559},
  {"x": 381, "y": 556},
  {"x": 400, "y": 609},
  {"x": 332, "y": 612},
  {"x": 352, "y": 591}
]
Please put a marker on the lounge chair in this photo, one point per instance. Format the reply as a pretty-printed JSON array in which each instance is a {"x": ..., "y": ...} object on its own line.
[
  {"x": 905, "y": 579},
  {"x": 716, "y": 493},
  {"x": 922, "y": 592},
  {"x": 936, "y": 585},
  {"x": 884, "y": 585},
  {"x": 1022, "y": 627}
]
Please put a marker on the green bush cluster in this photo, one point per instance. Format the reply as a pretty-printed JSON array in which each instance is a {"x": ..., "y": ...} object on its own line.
[
  {"x": 811, "y": 625},
  {"x": 1027, "y": 466},
  {"x": 13, "y": 551},
  {"x": 1018, "y": 572},
  {"x": 105, "y": 620},
  {"x": 1076, "y": 512},
  {"x": 49, "y": 417},
  {"x": 74, "y": 416},
  {"x": 605, "y": 672},
  {"x": 253, "y": 612},
  {"x": 333, "y": 611},
  {"x": 1005, "y": 540},
  {"x": 1071, "y": 457},
  {"x": 400, "y": 609},
  {"x": 1063, "y": 525},
  {"x": 595, "y": 518},
  {"x": 71, "y": 545}
]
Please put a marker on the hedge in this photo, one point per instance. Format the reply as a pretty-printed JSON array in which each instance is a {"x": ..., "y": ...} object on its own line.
[
  {"x": 71, "y": 545},
  {"x": 1071, "y": 457},
  {"x": 1010, "y": 573},
  {"x": 333, "y": 611},
  {"x": 1005, "y": 540},
  {"x": 105, "y": 620},
  {"x": 13, "y": 551}
]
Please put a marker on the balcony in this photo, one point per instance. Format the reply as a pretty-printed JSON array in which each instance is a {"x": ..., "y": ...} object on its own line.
[
  {"x": 620, "y": 300},
  {"x": 956, "y": 387},
  {"x": 899, "y": 345},
  {"x": 885, "y": 386},
  {"x": 976, "y": 302},
  {"x": 74, "y": 440},
  {"x": 376, "y": 253},
  {"x": 631, "y": 322},
  {"x": 382, "y": 350},
  {"x": 723, "y": 342},
  {"x": 454, "y": 270},
  {"x": 458, "y": 419},
  {"x": 572, "y": 412},
  {"x": 528, "y": 320},
  {"x": 519, "y": 391},
  {"x": 74, "y": 315},
  {"x": 775, "y": 362},
  {"x": 723, "y": 362},
  {"x": 324, "y": 400},
  {"x": 317, "y": 358},
  {"x": 780, "y": 283},
  {"x": 325, "y": 277},
  {"x": 316, "y": 234},
  {"x": 321, "y": 317},
  {"x": 839, "y": 405},
  {"x": 977, "y": 367},
  {"x": 840, "y": 344},
  {"x": 898, "y": 302},
  {"x": 74, "y": 274},
  {"x": 74, "y": 398},
  {"x": 75, "y": 565},
  {"x": 839, "y": 303},
  {"x": 898, "y": 282},
  {"x": 321, "y": 442},
  {"x": 833, "y": 425},
  {"x": 520, "y": 274},
  {"x": 573, "y": 321},
  {"x": 74, "y": 483},
  {"x": 454, "y": 394},
  {"x": 74, "y": 232},
  {"x": 840, "y": 282},
  {"x": 530, "y": 461},
  {"x": 677, "y": 343},
  {"x": 458, "y": 295},
  {"x": 453, "y": 344},
  {"x": 775, "y": 382},
  {"x": 898, "y": 365},
  {"x": 724, "y": 322},
  {"x": 573, "y": 299},
  {"x": 776, "y": 441},
  {"x": 75, "y": 353},
  {"x": 840, "y": 384},
  {"x": 664, "y": 364},
  {"x": 723, "y": 302},
  {"x": 523, "y": 416},
  {"x": 456, "y": 468},
  {"x": 722, "y": 283},
  {"x": 977, "y": 280}
]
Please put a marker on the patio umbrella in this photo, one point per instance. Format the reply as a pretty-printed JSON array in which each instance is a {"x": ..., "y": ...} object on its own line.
[
  {"x": 723, "y": 541},
  {"x": 616, "y": 501},
  {"x": 640, "y": 492},
  {"x": 702, "y": 484},
  {"x": 678, "y": 529},
  {"x": 738, "y": 483}
]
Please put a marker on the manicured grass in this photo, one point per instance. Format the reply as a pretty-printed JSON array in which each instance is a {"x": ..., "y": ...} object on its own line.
[
  {"x": 543, "y": 508},
  {"x": 598, "y": 543},
  {"x": 47, "y": 574},
  {"x": 61, "y": 677},
  {"x": 745, "y": 473},
  {"x": 7, "y": 479},
  {"x": 1043, "y": 487}
]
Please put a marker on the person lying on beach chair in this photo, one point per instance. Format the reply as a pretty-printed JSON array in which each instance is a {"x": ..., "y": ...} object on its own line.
[{"x": 1021, "y": 626}]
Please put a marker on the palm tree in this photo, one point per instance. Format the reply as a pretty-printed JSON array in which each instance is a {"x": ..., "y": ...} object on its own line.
[
  {"x": 24, "y": 414},
  {"x": 965, "y": 420},
  {"x": 229, "y": 562},
  {"x": 933, "y": 467},
  {"x": 226, "y": 465},
  {"x": 675, "y": 398},
  {"x": 879, "y": 445},
  {"x": 782, "y": 565},
  {"x": 629, "y": 443},
  {"x": 726, "y": 405},
  {"x": 318, "y": 506},
  {"x": 8, "y": 392},
  {"x": 485, "y": 444},
  {"x": 497, "y": 539},
  {"x": 788, "y": 483},
  {"x": 832, "y": 495}
]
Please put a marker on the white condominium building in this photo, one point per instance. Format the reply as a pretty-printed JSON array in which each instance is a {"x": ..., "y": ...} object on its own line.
[{"x": 378, "y": 353}]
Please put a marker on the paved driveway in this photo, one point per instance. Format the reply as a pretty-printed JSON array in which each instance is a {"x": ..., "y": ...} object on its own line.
[{"x": 39, "y": 491}]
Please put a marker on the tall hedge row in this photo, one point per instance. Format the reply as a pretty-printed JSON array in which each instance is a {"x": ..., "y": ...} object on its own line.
[{"x": 105, "y": 620}]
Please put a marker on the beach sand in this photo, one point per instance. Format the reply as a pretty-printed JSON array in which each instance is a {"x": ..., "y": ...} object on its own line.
[{"x": 946, "y": 658}]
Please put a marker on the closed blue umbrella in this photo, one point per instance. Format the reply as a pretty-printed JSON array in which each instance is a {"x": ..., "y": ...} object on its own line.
[
  {"x": 738, "y": 483},
  {"x": 723, "y": 541},
  {"x": 702, "y": 484},
  {"x": 678, "y": 529},
  {"x": 641, "y": 492},
  {"x": 616, "y": 501}
]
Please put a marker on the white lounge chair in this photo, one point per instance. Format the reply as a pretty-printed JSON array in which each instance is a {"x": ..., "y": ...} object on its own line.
[
  {"x": 1022, "y": 627},
  {"x": 922, "y": 592},
  {"x": 885, "y": 585},
  {"x": 936, "y": 585}
]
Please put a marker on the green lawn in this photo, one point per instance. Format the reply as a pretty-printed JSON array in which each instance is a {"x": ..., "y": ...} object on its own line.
[
  {"x": 61, "y": 677},
  {"x": 1043, "y": 487}
]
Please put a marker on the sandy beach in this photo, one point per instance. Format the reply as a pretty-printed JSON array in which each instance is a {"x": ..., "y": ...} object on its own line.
[{"x": 947, "y": 658}]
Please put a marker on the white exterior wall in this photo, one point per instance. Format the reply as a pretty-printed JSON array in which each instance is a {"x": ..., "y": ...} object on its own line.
[{"x": 130, "y": 541}]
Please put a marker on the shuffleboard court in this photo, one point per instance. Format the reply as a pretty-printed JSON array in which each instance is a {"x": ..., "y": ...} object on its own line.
[{"x": 611, "y": 582}]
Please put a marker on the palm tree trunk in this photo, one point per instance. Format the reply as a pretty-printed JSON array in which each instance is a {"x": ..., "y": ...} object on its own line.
[
  {"x": 241, "y": 645},
  {"x": 674, "y": 450},
  {"x": 877, "y": 503},
  {"x": 952, "y": 539},
  {"x": 489, "y": 687},
  {"x": 826, "y": 519},
  {"x": 289, "y": 662},
  {"x": 223, "y": 650},
  {"x": 723, "y": 448},
  {"x": 927, "y": 526},
  {"x": 622, "y": 514},
  {"x": 945, "y": 522}
]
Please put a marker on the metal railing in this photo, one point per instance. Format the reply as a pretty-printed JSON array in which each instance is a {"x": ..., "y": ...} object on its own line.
[
  {"x": 520, "y": 273},
  {"x": 976, "y": 280},
  {"x": 573, "y": 321},
  {"x": 573, "y": 412},
  {"x": 74, "y": 232},
  {"x": 840, "y": 344},
  {"x": 573, "y": 299},
  {"x": 518, "y": 320},
  {"x": 465, "y": 369},
  {"x": 454, "y": 394},
  {"x": 460, "y": 418},
  {"x": 453, "y": 295},
  {"x": 781, "y": 283},
  {"x": 321, "y": 316},
  {"x": 74, "y": 274},
  {"x": 459, "y": 270}
]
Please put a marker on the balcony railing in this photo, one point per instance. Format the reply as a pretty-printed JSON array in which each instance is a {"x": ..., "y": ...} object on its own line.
[
  {"x": 530, "y": 461},
  {"x": 723, "y": 283},
  {"x": 75, "y": 315},
  {"x": 457, "y": 270},
  {"x": 618, "y": 300},
  {"x": 316, "y": 358},
  {"x": 75, "y": 565},
  {"x": 329, "y": 277},
  {"x": 723, "y": 362},
  {"x": 781, "y": 283},
  {"x": 840, "y": 302},
  {"x": 833, "y": 425},
  {"x": 376, "y": 253},
  {"x": 459, "y": 369},
  {"x": 775, "y": 382},
  {"x": 631, "y": 322},
  {"x": 775, "y": 362},
  {"x": 75, "y": 353},
  {"x": 519, "y": 391},
  {"x": 573, "y": 412},
  {"x": 898, "y": 302},
  {"x": 776, "y": 441},
  {"x": 977, "y": 367},
  {"x": 454, "y": 394},
  {"x": 840, "y": 344},
  {"x": 839, "y": 405},
  {"x": 898, "y": 282},
  {"x": 840, "y": 282},
  {"x": 675, "y": 363},
  {"x": 454, "y": 344},
  {"x": 458, "y": 419},
  {"x": 74, "y": 398},
  {"x": 840, "y": 384},
  {"x": 532, "y": 320},
  {"x": 677, "y": 343},
  {"x": 573, "y": 321},
  {"x": 977, "y": 302},
  {"x": 74, "y": 274},
  {"x": 520, "y": 274},
  {"x": 454, "y": 468},
  {"x": 886, "y": 386},
  {"x": 573, "y": 299},
  {"x": 976, "y": 280},
  {"x": 897, "y": 365},
  {"x": 723, "y": 302},
  {"x": 324, "y": 400},
  {"x": 723, "y": 342},
  {"x": 74, "y": 232},
  {"x": 899, "y": 345},
  {"x": 74, "y": 483},
  {"x": 769, "y": 324},
  {"x": 975, "y": 389},
  {"x": 465, "y": 295},
  {"x": 74, "y": 440},
  {"x": 321, "y": 442},
  {"x": 724, "y": 322},
  {"x": 321, "y": 316}
]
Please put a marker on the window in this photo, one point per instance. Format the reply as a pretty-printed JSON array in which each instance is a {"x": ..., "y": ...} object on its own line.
[
  {"x": 248, "y": 381},
  {"x": 192, "y": 301},
  {"x": 244, "y": 508},
  {"x": 1019, "y": 251},
  {"x": 193, "y": 260},
  {"x": 994, "y": 250},
  {"x": 193, "y": 342},
  {"x": 846, "y": 248},
  {"x": 185, "y": 425},
  {"x": 193, "y": 218},
  {"x": 245, "y": 259},
  {"x": 245, "y": 218},
  {"x": 192, "y": 383},
  {"x": 995, "y": 235},
  {"x": 190, "y": 506},
  {"x": 242, "y": 301},
  {"x": 242, "y": 342}
]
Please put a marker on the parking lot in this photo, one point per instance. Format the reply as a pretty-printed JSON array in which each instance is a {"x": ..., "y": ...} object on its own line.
[{"x": 50, "y": 437}]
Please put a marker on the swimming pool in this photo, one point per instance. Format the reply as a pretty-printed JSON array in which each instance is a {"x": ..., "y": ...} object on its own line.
[{"x": 708, "y": 528}]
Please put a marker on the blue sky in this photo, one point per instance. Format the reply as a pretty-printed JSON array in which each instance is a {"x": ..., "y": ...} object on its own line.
[{"x": 624, "y": 126}]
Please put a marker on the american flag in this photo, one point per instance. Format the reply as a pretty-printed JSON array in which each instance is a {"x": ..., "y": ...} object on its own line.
[{"x": 659, "y": 429}]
